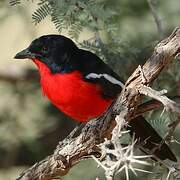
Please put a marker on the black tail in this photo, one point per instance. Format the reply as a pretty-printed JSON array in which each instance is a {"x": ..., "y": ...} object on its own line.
[{"x": 149, "y": 138}]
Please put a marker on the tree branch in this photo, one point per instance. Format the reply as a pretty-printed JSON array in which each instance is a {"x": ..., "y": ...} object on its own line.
[
  {"x": 152, "y": 105},
  {"x": 86, "y": 144},
  {"x": 152, "y": 6},
  {"x": 159, "y": 95}
]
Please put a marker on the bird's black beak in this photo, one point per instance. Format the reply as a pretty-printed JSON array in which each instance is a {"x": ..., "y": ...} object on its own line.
[{"x": 24, "y": 54}]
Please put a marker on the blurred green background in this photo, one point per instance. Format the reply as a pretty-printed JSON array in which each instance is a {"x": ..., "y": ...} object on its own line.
[{"x": 122, "y": 32}]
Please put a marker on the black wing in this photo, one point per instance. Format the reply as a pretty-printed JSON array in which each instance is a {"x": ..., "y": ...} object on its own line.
[{"x": 96, "y": 71}]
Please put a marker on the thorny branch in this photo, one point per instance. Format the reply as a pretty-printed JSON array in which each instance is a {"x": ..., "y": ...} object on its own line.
[{"x": 96, "y": 133}]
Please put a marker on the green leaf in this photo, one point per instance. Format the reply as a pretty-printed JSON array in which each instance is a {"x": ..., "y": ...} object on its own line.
[
  {"x": 14, "y": 2},
  {"x": 42, "y": 12}
]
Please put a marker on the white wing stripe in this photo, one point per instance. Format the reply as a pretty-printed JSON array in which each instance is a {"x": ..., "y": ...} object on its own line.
[{"x": 107, "y": 77}]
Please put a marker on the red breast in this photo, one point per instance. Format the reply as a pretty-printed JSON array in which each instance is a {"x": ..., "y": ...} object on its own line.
[{"x": 75, "y": 97}]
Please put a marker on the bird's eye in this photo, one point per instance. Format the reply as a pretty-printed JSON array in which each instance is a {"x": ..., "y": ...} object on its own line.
[{"x": 44, "y": 49}]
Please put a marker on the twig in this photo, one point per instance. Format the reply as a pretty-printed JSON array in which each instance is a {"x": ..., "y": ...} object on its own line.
[
  {"x": 152, "y": 5},
  {"x": 172, "y": 128},
  {"x": 169, "y": 174},
  {"x": 152, "y": 105},
  {"x": 159, "y": 95}
]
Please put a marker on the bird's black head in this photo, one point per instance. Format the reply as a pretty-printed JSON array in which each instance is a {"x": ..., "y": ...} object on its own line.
[{"x": 53, "y": 50}]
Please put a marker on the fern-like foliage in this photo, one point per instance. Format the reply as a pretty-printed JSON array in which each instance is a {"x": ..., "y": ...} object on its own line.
[
  {"x": 73, "y": 15},
  {"x": 41, "y": 2},
  {"x": 42, "y": 12},
  {"x": 57, "y": 19},
  {"x": 75, "y": 30},
  {"x": 14, "y": 2}
]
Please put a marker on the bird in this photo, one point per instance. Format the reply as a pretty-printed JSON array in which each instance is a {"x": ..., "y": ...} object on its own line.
[{"x": 83, "y": 86}]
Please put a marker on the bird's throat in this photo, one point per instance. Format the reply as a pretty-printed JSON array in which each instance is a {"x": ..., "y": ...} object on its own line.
[{"x": 43, "y": 68}]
